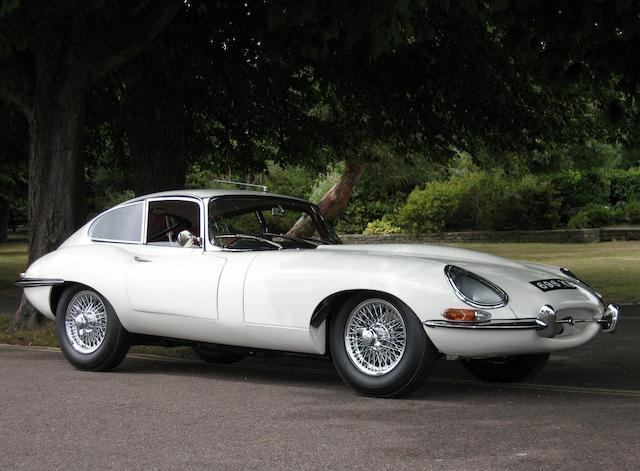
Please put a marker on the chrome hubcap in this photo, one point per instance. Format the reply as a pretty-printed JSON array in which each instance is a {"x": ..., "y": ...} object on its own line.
[
  {"x": 375, "y": 337},
  {"x": 86, "y": 322}
]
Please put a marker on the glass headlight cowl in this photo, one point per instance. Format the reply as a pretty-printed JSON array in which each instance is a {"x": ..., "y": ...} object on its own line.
[{"x": 473, "y": 289}]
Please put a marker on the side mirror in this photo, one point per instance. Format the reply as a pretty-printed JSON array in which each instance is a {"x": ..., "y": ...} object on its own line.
[
  {"x": 277, "y": 211},
  {"x": 187, "y": 239}
]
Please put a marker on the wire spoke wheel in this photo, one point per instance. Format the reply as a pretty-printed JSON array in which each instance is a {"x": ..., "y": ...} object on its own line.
[
  {"x": 375, "y": 337},
  {"x": 86, "y": 322}
]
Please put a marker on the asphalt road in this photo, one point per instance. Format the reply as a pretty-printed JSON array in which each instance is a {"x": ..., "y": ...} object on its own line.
[{"x": 581, "y": 412}]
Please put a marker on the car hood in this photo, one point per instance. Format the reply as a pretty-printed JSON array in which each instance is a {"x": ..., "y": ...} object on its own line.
[
  {"x": 436, "y": 253},
  {"x": 512, "y": 276}
]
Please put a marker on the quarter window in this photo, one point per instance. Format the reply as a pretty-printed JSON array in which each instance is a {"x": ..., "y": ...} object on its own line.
[{"x": 122, "y": 224}]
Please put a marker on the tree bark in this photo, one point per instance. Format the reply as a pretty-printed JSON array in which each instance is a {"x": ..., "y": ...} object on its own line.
[
  {"x": 4, "y": 218},
  {"x": 156, "y": 129},
  {"x": 55, "y": 168},
  {"x": 333, "y": 201}
]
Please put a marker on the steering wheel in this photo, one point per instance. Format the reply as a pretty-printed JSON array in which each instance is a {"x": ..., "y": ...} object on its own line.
[{"x": 165, "y": 231}]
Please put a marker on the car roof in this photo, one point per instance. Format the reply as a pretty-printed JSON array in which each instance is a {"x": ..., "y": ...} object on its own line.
[{"x": 209, "y": 193}]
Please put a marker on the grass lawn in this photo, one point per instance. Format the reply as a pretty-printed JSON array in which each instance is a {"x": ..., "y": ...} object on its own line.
[{"x": 613, "y": 268}]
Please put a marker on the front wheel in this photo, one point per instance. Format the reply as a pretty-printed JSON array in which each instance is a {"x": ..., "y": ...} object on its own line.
[
  {"x": 89, "y": 331},
  {"x": 379, "y": 346},
  {"x": 506, "y": 369}
]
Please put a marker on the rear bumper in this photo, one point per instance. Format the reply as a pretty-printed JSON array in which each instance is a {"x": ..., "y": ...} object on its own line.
[{"x": 543, "y": 334}]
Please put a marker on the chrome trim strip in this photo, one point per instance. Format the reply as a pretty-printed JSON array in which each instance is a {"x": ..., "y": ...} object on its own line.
[
  {"x": 33, "y": 282},
  {"x": 471, "y": 302},
  {"x": 509, "y": 324}
]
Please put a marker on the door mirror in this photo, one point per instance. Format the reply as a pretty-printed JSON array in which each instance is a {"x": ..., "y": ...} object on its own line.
[{"x": 277, "y": 211}]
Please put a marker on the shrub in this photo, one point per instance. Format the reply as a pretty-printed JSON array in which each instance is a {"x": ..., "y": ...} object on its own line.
[
  {"x": 593, "y": 215},
  {"x": 484, "y": 201},
  {"x": 625, "y": 186},
  {"x": 629, "y": 213},
  {"x": 578, "y": 189},
  {"x": 381, "y": 227},
  {"x": 525, "y": 204},
  {"x": 440, "y": 205}
]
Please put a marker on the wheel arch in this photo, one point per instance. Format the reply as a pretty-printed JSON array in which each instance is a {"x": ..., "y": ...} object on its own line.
[
  {"x": 57, "y": 291},
  {"x": 327, "y": 306}
]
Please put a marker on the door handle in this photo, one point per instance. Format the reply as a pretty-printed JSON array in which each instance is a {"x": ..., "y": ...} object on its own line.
[{"x": 139, "y": 259}]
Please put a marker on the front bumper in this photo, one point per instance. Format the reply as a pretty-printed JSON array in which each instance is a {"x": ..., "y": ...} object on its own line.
[
  {"x": 542, "y": 334},
  {"x": 546, "y": 324}
]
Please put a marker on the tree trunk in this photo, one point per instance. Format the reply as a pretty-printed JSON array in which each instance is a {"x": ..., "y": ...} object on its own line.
[
  {"x": 333, "y": 201},
  {"x": 156, "y": 128},
  {"x": 4, "y": 219},
  {"x": 55, "y": 168}
]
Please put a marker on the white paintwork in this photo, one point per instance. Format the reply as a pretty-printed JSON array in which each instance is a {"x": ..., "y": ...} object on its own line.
[
  {"x": 174, "y": 281},
  {"x": 265, "y": 299}
]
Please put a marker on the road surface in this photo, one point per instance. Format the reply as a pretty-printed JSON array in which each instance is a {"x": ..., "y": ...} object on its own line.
[{"x": 581, "y": 412}]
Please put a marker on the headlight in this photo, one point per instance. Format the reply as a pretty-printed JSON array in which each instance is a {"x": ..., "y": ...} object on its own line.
[{"x": 473, "y": 289}]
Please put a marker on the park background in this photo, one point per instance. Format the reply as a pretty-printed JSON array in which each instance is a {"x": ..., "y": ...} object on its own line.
[{"x": 401, "y": 117}]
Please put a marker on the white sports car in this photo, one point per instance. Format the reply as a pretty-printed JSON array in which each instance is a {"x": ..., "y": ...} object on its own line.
[{"x": 231, "y": 272}]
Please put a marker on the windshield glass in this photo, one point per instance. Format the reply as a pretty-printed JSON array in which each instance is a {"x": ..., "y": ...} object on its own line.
[{"x": 267, "y": 223}]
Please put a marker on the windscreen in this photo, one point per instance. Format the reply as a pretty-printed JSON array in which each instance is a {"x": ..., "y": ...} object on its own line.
[{"x": 262, "y": 222}]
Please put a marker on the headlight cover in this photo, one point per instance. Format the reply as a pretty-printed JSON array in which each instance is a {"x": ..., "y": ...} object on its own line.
[{"x": 473, "y": 289}]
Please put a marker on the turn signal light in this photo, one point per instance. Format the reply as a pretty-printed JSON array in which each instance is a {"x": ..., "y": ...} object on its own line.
[{"x": 466, "y": 315}]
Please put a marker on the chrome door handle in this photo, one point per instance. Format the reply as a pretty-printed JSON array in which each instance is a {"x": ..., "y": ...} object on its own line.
[{"x": 139, "y": 259}]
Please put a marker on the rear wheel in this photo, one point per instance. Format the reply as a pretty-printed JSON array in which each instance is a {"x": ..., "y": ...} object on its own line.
[
  {"x": 89, "y": 331},
  {"x": 211, "y": 354},
  {"x": 379, "y": 346},
  {"x": 506, "y": 369}
]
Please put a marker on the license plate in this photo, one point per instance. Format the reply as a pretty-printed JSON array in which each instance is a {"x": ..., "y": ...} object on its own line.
[{"x": 553, "y": 284}]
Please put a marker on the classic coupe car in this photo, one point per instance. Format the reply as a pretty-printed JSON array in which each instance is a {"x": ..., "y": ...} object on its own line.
[{"x": 234, "y": 271}]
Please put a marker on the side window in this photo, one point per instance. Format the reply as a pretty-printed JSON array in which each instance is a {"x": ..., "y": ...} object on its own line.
[
  {"x": 119, "y": 225},
  {"x": 168, "y": 218}
]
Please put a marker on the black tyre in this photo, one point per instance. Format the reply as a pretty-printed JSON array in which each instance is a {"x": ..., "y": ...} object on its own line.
[
  {"x": 89, "y": 331},
  {"x": 506, "y": 369},
  {"x": 211, "y": 354},
  {"x": 379, "y": 346}
]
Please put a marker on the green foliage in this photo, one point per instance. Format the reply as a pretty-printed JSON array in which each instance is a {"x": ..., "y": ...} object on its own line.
[
  {"x": 325, "y": 181},
  {"x": 384, "y": 187},
  {"x": 578, "y": 189},
  {"x": 362, "y": 210},
  {"x": 593, "y": 215},
  {"x": 629, "y": 212},
  {"x": 487, "y": 201},
  {"x": 381, "y": 227},
  {"x": 293, "y": 180},
  {"x": 528, "y": 203},
  {"x": 625, "y": 186},
  {"x": 441, "y": 205}
]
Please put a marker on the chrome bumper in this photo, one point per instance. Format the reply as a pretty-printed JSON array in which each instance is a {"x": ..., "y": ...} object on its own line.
[
  {"x": 34, "y": 282},
  {"x": 546, "y": 324}
]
